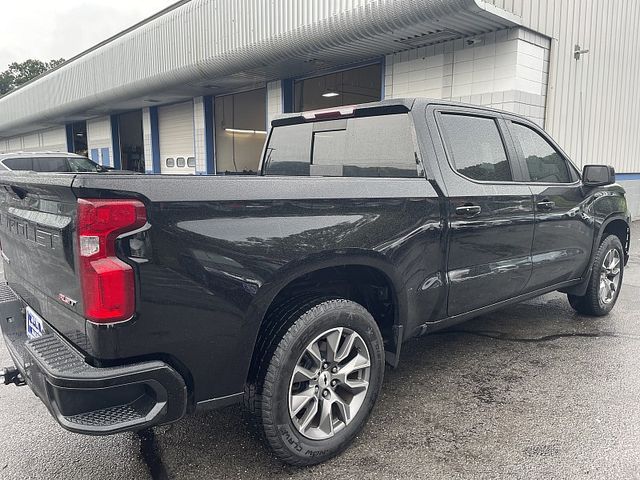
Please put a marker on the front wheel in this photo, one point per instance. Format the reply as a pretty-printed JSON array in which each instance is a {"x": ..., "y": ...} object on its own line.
[
  {"x": 606, "y": 280},
  {"x": 318, "y": 388}
]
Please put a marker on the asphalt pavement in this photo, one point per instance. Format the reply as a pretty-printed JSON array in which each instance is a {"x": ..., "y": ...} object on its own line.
[{"x": 531, "y": 391}]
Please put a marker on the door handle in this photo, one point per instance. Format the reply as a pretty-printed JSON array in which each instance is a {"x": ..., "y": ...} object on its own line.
[
  {"x": 546, "y": 205},
  {"x": 468, "y": 210}
]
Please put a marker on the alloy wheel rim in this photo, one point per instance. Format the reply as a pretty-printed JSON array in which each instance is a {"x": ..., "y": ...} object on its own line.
[
  {"x": 329, "y": 383},
  {"x": 610, "y": 276}
]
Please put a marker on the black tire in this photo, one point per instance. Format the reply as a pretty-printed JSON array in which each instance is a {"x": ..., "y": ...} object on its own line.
[
  {"x": 591, "y": 302},
  {"x": 268, "y": 399}
]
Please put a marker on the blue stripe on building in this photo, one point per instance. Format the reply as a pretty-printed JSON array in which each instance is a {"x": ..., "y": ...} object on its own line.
[
  {"x": 155, "y": 139},
  {"x": 115, "y": 141},
  {"x": 209, "y": 136},
  {"x": 627, "y": 176},
  {"x": 69, "y": 131},
  {"x": 287, "y": 95}
]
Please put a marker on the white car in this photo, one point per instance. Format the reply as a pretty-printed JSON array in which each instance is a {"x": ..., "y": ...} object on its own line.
[{"x": 49, "y": 162}]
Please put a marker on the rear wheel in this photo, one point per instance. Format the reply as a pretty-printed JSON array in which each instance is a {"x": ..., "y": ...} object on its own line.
[
  {"x": 315, "y": 391},
  {"x": 606, "y": 280}
]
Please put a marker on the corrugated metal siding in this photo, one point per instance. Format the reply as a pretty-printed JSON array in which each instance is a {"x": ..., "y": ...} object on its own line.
[
  {"x": 227, "y": 42},
  {"x": 593, "y": 105}
]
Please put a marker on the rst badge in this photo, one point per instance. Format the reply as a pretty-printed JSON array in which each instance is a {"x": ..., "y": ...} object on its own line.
[{"x": 69, "y": 301}]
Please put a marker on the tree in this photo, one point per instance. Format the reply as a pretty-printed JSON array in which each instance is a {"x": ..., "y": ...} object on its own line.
[{"x": 20, "y": 73}]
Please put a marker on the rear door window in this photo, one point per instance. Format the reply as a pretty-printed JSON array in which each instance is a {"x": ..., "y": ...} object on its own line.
[
  {"x": 543, "y": 162},
  {"x": 51, "y": 164},
  {"x": 475, "y": 148}
]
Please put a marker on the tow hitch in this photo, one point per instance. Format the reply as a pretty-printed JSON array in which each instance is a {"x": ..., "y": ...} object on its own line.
[{"x": 11, "y": 375}]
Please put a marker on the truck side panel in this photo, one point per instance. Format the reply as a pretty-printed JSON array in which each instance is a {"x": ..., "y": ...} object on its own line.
[{"x": 219, "y": 249}]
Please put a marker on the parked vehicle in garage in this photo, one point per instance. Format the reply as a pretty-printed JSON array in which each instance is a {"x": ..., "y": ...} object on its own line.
[
  {"x": 132, "y": 301},
  {"x": 60, "y": 162}
]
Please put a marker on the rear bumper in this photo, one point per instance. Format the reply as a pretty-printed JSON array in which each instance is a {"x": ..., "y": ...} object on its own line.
[{"x": 83, "y": 398}]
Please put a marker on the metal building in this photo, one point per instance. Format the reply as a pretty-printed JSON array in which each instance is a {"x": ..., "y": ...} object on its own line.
[{"x": 191, "y": 89}]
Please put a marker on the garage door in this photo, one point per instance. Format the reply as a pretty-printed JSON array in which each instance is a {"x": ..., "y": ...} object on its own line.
[
  {"x": 176, "y": 132},
  {"x": 15, "y": 144},
  {"x": 31, "y": 142},
  {"x": 99, "y": 140},
  {"x": 54, "y": 139}
]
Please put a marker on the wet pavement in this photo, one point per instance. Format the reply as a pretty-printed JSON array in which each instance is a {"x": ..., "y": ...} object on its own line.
[{"x": 531, "y": 391}]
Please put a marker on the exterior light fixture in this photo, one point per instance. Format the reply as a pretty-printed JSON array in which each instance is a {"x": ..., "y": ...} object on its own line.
[
  {"x": 579, "y": 51},
  {"x": 241, "y": 130},
  {"x": 330, "y": 94}
]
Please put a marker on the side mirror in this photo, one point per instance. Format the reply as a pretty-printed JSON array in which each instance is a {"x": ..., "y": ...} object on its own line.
[{"x": 598, "y": 175}]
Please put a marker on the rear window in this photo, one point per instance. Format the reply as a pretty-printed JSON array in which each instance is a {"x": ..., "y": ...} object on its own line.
[
  {"x": 19, "y": 163},
  {"x": 378, "y": 146}
]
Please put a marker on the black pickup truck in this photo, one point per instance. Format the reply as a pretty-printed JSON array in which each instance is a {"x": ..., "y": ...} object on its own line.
[{"x": 134, "y": 300}]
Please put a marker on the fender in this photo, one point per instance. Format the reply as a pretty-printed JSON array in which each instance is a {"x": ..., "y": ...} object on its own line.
[
  {"x": 580, "y": 288},
  {"x": 320, "y": 261},
  {"x": 327, "y": 259}
]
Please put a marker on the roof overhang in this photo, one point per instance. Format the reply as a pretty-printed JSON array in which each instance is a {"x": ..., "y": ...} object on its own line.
[{"x": 207, "y": 47}]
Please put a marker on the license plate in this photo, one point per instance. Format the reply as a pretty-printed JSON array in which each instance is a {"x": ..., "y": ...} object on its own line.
[{"x": 35, "y": 324}]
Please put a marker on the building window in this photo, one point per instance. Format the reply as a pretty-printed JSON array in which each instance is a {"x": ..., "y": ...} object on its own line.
[
  {"x": 357, "y": 85},
  {"x": 241, "y": 129}
]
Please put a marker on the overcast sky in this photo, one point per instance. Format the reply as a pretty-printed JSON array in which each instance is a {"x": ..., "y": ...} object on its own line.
[{"x": 47, "y": 29}]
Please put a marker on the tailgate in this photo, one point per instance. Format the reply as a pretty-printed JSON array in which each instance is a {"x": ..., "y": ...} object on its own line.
[{"x": 37, "y": 222}]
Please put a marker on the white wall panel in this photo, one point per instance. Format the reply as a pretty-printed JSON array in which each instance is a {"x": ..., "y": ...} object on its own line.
[
  {"x": 504, "y": 69},
  {"x": 274, "y": 101},
  {"x": 146, "y": 137},
  {"x": 200, "y": 132}
]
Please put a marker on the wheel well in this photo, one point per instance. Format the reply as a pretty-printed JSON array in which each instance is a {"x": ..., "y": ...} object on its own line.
[
  {"x": 620, "y": 229},
  {"x": 365, "y": 285}
]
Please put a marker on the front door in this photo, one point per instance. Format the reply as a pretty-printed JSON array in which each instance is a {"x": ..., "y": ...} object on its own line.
[
  {"x": 564, "y": 234},
  {"x": 490, "y": 214}
]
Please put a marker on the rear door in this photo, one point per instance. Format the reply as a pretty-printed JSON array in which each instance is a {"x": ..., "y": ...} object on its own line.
[
  {"x": 564, "y": 234},
  {"x": 37, "y": 222},
  {"x": 490, "y": 212}
]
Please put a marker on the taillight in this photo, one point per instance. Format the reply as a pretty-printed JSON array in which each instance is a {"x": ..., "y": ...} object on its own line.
[{"x": 108, "y": 286}]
